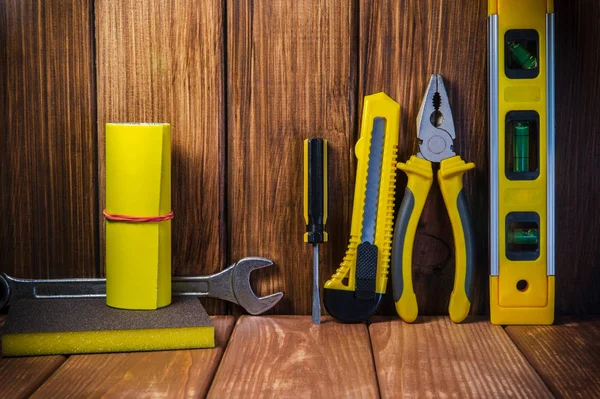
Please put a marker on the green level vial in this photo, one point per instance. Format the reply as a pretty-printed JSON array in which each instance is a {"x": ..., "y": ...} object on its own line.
[
  {"x": 521, "y": 146},
  {"x": 523, "y": 57},
  {"x": 523, "y": 236}
]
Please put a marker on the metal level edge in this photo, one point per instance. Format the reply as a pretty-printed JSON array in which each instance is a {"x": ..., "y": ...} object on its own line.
[
  {"x": 550, "y": 147},
  {"x": 493, "y": 138}
]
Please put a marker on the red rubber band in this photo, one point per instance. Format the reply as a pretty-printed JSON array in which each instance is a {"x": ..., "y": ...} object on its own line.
[{"x": 137, "y": 219}]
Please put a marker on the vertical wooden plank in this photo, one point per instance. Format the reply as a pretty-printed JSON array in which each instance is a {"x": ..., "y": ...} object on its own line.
[
  {"x": 401, "y": 44},
  {"x": 577, "y": 151},
  {"x": 47, "y": 114},
  {"x": 162, "y": 61},
  {"x": 291, "y": 76}
]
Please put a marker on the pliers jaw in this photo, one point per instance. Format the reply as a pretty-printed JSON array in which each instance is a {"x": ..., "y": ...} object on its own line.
[{"x": 435, "y": 126}]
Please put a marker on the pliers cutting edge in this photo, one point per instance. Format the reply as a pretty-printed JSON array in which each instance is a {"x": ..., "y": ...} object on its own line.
[{"x": 435, "y": 131}]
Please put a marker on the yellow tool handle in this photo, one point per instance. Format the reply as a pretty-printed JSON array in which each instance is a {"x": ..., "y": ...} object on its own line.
[
  {"x": 420, "y": 178},
  {"x": 356, "y": 289},
  {"x": 450, "y": 178}
]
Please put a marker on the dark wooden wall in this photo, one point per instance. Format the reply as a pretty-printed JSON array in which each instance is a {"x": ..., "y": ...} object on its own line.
[{"x": 243, "y": 82}]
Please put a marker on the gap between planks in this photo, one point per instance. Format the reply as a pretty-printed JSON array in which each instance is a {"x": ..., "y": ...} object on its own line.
[{"x": 566, "y": 355}]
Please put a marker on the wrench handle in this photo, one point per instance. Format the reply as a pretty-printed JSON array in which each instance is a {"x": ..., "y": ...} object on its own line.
[
  {"x": 82, "y": 289},
  {"x": 217, "y": 285},
  {"x": 12, "y": 289},
  {"x": 190, "y": 286}
]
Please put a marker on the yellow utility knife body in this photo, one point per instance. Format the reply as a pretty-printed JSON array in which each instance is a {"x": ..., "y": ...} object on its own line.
[
  {"x": 354, "y": 292},
  {"x": 435, "y": 131},
  {"x": 521, "y": 128}
]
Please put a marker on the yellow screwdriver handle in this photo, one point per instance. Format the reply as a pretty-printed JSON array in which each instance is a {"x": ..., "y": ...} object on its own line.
[
  {"x": 450, "y": 178},
  {"x": 420, "y": 178}
]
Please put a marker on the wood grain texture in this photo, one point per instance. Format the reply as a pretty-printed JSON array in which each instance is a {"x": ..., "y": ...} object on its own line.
[
  {"x": 294, "y": 70},
  {"x": 401, "y": 44},
  {"x": 577, "y": 151},
  {"x": 47, "y": 112},
  {"x": 288, "y": 356},
  {"x": 21, "y": 376},
  {"x": 291, "y": 76},
  {"x": 169, "y": 374},
  {"x": 566, "y": 356},
  {"x": 163, "y": 62},
  {"x": 437, "y": 358}
]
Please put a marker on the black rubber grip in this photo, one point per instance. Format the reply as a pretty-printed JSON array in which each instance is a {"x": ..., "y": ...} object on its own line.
[
  {"x": 467, "y": 227},
  {"x": 406, "y": 209},
  {"x": 366, "y": 270},
  {"x": 317, "y": 203}
]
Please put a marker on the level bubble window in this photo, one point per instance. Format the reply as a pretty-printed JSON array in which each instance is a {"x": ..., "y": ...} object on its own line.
[
  {"x": 521, "y": 54},
  {"x": 522, "y": 236},
  {"x": 522, "y": 145}
]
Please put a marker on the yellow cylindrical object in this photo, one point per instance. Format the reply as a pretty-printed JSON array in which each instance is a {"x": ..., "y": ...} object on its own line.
[{"x": 138, "y": 184}]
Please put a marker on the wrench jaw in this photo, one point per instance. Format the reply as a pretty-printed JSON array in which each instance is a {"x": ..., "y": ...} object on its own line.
[{"x": 243, "y": 290}]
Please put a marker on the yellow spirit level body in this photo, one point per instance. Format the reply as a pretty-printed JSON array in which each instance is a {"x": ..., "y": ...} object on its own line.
[{"x": 521, "y": 80}]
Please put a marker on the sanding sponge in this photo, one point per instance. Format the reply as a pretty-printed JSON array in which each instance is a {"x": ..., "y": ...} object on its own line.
[{"x": 66, "y": 326}]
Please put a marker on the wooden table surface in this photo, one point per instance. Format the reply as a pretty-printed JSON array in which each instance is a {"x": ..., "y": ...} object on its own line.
[{"x": 287, "y": 356}]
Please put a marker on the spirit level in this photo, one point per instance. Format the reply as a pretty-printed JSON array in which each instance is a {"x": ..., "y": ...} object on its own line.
[{"x": 521, "y": 123}]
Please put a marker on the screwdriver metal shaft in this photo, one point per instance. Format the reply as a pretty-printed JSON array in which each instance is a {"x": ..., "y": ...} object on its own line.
[
  {"x": 315, "y": 209},
  {"x": 316, "y": 304}
]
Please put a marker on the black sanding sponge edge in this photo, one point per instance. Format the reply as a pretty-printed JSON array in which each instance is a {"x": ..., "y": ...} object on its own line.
[{"x": 70, "y": 326}]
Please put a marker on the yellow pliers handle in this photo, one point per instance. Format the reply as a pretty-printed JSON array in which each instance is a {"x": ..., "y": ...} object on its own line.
[
  {"x": 420, "y": 178},
  {"x": 450, "y": 178}
]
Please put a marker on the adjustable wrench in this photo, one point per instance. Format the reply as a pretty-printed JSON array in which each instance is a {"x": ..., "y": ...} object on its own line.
[{"x": 231, "y": 284}]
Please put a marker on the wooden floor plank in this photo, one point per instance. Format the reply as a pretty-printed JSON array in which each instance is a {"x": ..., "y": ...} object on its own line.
[
  {"x": 21, "y": 376},
  {"x": 288, "y": 356},
  {"x": 566, "y": 356},
  {"x": 437, "y": 358},
  {"x": 184, "y": 373}
]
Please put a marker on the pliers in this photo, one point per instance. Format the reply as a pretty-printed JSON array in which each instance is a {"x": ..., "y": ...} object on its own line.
[{"x": 435, "y": 131}]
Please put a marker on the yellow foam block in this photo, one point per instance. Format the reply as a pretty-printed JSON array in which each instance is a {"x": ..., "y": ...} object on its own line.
[
  {"x": 138, "y": 183},
  {"x": 68, "y": 326}
]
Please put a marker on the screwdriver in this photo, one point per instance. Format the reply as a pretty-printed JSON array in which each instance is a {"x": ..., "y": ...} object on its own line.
[{"x": 315, "y": 209}]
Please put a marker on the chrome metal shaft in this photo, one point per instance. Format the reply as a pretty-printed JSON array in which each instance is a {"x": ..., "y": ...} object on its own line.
[{"x": 316, "y": 304}]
